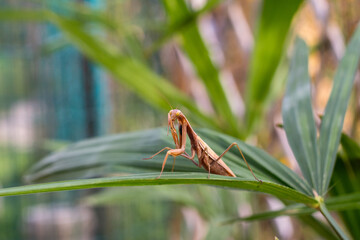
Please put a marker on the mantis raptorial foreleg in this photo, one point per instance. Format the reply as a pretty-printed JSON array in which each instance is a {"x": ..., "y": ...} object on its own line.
[
  {"x": 165, "y": 148},
  {"x": 185, "y": 155},
  {"x": 157, "y": 153},
  {"x": 178, "y": 151}
]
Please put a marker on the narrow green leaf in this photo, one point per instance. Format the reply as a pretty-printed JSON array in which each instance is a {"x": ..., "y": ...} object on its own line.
[
  {"x": 292, "y": 210},
  {"x": 332, "y": 122},
  {"x": 123, "y": 153},
  {"x": 346, "y": 180},
  {"x": 198, "y": 53},
  {"x": 350, "y": 202},
  {"x": 279, "y": 191},
  {"x": 272, "y": 30},
  {"x": 332, "y": 222},
  {"x": 259, "y": 160},
  {"x": 133, "y": 74},
  {"x": 303, "y": 213},
  {"x": 319, "y": 227},
  {"x": 298, "y": 117},
  {"x": 344, "y": 202},
  {"x": 130, "y": 72},
  {"x": 182, "y": 23}
]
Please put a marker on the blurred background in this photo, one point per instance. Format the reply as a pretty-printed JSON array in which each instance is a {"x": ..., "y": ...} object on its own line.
[{"x": 71, "y": 70}]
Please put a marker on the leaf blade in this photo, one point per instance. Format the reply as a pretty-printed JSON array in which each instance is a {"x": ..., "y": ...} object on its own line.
[
  {"x": 131, "y": 72},
  {"x": 281, "y": 192},
  {"x": 123, "y": 153},
  {"x": 258, "y": 159},
  {"x": 198, "y": 53},
  {"x": 348, "y": 201},
  {"x": 334, "y": 225},
  {"x": 273, "y": 27},
  {"x": 332, "y": 122},
  {"x": 299, "y": 123}
]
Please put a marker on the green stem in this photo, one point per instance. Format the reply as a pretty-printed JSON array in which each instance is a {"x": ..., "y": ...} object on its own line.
[{"x": 334, "y": 225}]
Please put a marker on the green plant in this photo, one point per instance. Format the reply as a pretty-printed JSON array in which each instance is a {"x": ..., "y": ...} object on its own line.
[
  {"x": 129, "y": 63},
  {"x": 122, "y": 153}
]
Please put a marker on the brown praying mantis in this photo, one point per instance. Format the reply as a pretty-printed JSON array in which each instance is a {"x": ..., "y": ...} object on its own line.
[{"x": 206, "y": 156}]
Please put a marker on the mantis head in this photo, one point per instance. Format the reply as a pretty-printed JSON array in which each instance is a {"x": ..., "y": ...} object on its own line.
[{"x": 173, "y": 115}]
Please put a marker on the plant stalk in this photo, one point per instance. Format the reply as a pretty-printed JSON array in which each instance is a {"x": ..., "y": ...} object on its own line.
[{"x": 334, "y": 225}]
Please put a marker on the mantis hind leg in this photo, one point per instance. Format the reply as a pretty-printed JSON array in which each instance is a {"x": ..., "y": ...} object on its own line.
[{"x": 235, "y": 144}]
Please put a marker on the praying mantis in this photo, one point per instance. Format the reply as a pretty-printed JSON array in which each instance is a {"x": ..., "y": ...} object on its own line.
[{"x": 206, "y": 156}]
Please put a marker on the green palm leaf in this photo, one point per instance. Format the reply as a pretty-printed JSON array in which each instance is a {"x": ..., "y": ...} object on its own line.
[
  {"x": 277, "y": 190},
  {"x": 332, "y": 122},
  {"x": 273, "y": 26},
  {"x": 350, "y": 201},
  {"x": 297, "y": 114},
  {"x": 123, "y": 153},
  {"x": 198, "y": 53},
  {"x": 129, "y": 71}
]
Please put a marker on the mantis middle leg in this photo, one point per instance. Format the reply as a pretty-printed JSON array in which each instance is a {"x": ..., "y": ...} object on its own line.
[{"x": 235, "y": 144}]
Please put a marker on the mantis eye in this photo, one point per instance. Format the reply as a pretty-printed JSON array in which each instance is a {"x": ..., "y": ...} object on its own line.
[{"x": 178, "y": 113}]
